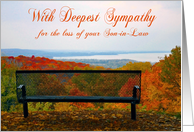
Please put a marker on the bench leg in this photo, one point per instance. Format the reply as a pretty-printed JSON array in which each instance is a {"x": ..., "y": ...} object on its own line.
[
  {"x": 25, "y": 108},
  {"x": 133, "y": 111}
]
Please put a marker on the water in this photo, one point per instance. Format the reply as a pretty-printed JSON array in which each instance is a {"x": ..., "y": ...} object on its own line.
[{"x": 150, "y": 57}]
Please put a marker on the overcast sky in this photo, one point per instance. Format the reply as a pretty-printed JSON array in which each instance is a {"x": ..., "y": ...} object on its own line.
[{"x": 19, "y": 31}]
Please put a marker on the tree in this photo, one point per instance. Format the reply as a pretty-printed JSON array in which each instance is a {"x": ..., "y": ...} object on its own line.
[
  {"x": 8, "y": 86},
  {"x": 171, "y": 69},
  {"x": 49, "y": 84},
  {"x": 161, "y": 87}
]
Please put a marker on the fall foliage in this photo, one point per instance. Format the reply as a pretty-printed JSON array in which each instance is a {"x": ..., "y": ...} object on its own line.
[{"x": 160, "y": 89}]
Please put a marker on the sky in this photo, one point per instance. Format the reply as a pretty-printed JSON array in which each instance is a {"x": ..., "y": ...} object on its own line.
[{"x": 18, "y": 30}]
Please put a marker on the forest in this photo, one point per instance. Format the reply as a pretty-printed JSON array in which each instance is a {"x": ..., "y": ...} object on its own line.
[{"x": 159, "y": 108}]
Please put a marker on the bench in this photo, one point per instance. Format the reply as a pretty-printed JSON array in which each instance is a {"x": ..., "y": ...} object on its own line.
[{"x": 116, "y": 86}]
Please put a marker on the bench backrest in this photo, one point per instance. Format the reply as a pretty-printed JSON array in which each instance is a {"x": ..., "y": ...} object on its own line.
[{"x": 116, "y": 83}]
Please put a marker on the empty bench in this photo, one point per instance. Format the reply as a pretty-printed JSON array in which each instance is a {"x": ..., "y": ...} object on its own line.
[{"x": 117, "y": 86}]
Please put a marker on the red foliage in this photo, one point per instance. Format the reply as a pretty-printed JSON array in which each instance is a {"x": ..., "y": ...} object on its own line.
[
  {"x": 10, "y": 57},
  {"x": 127, "y": 89},
  {"x": 76, "y": 92},
  {"x": 32, "y": 57},
  {"x": 41, "y": 63}
]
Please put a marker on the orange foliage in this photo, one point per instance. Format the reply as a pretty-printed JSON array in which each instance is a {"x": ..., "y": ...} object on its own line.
[{"x": 157, "y": 95}]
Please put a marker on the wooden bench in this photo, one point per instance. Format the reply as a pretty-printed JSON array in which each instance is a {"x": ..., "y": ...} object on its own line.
[{"x": 118, "y": 86}]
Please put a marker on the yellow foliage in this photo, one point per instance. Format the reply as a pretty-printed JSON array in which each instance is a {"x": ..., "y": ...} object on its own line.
[
  {"x": 63, "y": 106},
  {"x": 3, "y": 112},
  {"x": 143, "y": 66},
  {"x": 115, "y": 105}
]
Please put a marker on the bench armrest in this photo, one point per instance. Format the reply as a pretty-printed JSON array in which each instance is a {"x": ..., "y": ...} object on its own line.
[
  {"x": 137, "y": 87},
  {"x": 20, "y": 87},
  {"x": 21, "y": 92},
  {"x": 137, "y": 93}
]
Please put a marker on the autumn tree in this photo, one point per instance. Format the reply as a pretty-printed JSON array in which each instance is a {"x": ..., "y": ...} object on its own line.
[
  {"x": 171, "y": 69},
  {"x": 8, "y": 93},
  {"x": 50, "y": 85},
  {"x": 161, "y": 87}
]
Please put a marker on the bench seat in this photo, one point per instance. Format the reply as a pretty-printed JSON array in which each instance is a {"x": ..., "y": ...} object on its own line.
[{"x": 78, "y": 99}]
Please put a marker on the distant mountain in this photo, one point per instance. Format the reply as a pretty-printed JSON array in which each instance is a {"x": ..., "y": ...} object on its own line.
[
  {"x": 50, "y": 54},
  {"x": 24, "y": 52}
]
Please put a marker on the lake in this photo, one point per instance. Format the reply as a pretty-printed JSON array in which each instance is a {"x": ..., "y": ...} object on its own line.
[{"x": 150, "y": 57}]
